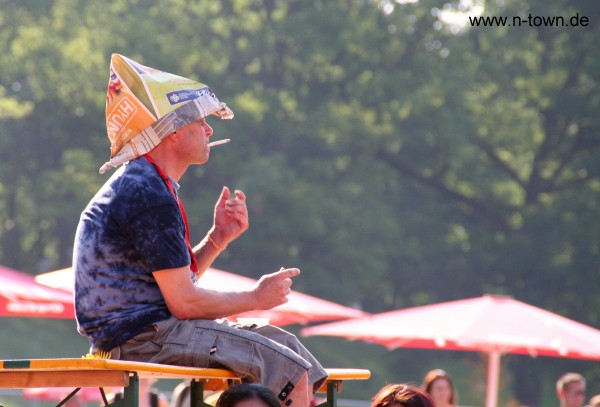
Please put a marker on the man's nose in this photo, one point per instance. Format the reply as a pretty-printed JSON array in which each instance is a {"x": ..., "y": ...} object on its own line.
[{"x": 208, "y": 129}]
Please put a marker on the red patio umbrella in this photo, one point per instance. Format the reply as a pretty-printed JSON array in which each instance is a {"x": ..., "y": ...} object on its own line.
[
  {"x": 300, "y": 309},
  {"x": 22, "y": 296},
  {"x": 492, "y": 324}
]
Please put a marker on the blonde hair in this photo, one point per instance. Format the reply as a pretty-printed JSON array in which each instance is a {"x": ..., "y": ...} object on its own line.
[{"x": 568, "y": 378}]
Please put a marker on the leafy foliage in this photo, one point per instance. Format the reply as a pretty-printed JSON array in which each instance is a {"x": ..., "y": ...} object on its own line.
[{"x": 396, "y": 159}]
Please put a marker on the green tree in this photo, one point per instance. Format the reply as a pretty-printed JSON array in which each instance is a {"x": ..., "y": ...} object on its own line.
[{"x": 395, "y": 158}]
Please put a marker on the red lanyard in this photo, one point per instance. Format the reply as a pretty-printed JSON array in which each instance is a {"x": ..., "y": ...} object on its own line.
[{"x": 167, "y": 180}]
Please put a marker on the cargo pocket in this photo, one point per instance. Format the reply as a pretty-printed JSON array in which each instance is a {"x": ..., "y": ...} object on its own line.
[
  {"x": 236, "y": 353},
  {"x": 200, "y": 347},
  {"x": 186, "y": 343}
]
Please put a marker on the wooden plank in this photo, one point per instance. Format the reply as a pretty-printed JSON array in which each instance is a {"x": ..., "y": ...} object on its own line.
[
  {"x": 215, "y": 379},
  {"x": 170, "y": 370},
  {"x": 125, "y": 365},
  {"x": 337, "y": 376},
  {"x": 142, "y": 368},
  {"x": 117, "y": 373},
  {"x": 348, "y": 374},
  {"x": 96, "y": 378}
]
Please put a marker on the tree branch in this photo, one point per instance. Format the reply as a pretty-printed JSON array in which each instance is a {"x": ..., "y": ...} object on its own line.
[
  {"x": 476, "y": 207},
  {"x": 502, "y": 165}
]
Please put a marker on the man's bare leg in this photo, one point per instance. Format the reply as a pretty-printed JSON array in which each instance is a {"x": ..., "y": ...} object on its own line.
[{"x": 301, "y": 395}]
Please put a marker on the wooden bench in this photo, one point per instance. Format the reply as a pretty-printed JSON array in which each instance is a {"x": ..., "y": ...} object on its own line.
[{"x": 78, "y": 373}]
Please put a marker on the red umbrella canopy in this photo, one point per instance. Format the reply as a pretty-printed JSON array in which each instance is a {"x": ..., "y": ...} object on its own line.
[
  {"x": 489, "y": 323},
  {"x": 22, "y": 296},
  {"x": 300, "y": 309}
]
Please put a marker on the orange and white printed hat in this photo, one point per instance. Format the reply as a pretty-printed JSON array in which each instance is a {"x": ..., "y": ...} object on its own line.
[{"x": 145, "y": 105}]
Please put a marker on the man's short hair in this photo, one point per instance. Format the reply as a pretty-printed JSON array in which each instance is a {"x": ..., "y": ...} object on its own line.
[{"x": 568, "y": 378}]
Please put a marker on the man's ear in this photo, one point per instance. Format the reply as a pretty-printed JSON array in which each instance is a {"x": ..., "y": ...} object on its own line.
[{"x": 173, "y": 137}]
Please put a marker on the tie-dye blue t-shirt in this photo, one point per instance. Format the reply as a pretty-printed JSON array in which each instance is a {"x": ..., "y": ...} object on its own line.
[{"x": 131, "y": 228}]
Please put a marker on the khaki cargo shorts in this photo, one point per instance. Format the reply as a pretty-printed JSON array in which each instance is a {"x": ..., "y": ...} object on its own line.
[{"x": 260, "y": 354}]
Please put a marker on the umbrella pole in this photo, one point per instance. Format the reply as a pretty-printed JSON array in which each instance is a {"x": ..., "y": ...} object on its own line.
[{"x": 493, "y": 378}]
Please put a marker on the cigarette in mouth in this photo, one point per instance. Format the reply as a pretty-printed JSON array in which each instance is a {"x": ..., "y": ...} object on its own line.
[{"x": 219, "y": 142}]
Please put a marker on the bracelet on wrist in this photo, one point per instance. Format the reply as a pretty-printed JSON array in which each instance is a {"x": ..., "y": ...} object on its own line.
[{"x": 215, "y": 245}]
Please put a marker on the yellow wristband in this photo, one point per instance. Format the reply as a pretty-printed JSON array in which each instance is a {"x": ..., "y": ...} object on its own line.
[{"x": 216, "y": 246}]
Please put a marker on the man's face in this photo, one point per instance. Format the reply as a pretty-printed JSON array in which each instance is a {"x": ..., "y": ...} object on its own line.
[
  {"x": 194, "y": 138},
  {"x": 573, "y": 395}
]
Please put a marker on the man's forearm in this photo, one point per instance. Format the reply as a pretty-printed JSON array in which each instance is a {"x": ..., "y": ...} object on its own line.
[
  {"x": 211, "y": 304},
  {"x": 206, "y": 253}
]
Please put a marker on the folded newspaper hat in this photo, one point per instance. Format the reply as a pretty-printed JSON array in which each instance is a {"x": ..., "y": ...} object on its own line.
[{"x": 145, "y": 105}]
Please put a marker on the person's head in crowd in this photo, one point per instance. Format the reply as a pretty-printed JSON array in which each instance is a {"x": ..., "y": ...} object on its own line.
[
  {"x": 595, "y": 401},
  {"x": 570, "y": 390},
  {"x": 401, "y": 395},
  {"x": 247, "y": 395},
  {"x": 439, "y": 386}
]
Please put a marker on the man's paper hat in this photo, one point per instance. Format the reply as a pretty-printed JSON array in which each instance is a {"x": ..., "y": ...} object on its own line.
[{"x": 145, "y": 105}]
